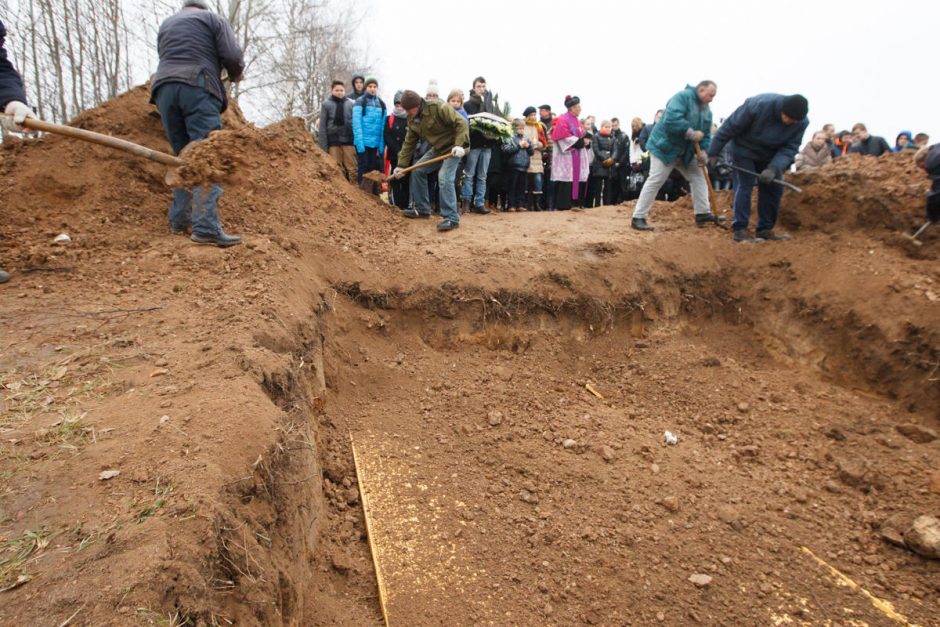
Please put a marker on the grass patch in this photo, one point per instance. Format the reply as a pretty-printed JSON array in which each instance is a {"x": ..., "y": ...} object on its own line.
[
  {"x": 161, "y": 494},
  {"x": 70, "y": 432},
  {"x": 16, "y": 553}
]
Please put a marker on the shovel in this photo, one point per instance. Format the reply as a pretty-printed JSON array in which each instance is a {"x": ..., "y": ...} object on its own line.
[
  {"x": 712, "y": 199},
  {"x": 777, "y": 181},
  {"x": 171, "y": 177},
  {"x": 378, "y": 177},
  {"x": 913, "y": 238}
]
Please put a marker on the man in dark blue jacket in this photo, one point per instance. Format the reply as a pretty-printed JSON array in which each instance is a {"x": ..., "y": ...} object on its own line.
[
  {"x": 12, "y": 101},
  {"x": 929, "y": 159},
  {"x": 765, "y": 134},
  {"x": 194, "y": 45}
]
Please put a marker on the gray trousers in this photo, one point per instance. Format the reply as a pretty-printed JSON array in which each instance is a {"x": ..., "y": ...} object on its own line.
[{"x": 659, "y": 172}]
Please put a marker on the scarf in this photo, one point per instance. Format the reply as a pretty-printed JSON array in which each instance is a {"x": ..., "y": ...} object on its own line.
[
  {"x": 541, "y": 130},
  {"x": 340, "y": 118}
]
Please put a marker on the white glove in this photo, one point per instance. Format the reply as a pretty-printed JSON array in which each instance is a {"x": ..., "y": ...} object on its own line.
[
  {"x": 14, "y": 115},
  {"x": 458, "y": 152},
  {"x": 397, "y": 173}
]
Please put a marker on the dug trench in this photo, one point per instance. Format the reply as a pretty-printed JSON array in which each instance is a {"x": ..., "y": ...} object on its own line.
[{"x": 507, "y": 388}]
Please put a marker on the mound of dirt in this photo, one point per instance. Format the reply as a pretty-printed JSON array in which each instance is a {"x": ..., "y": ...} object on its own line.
[
  {"x": 176, "y": 420},
  {"x": 858, "y": 192}
]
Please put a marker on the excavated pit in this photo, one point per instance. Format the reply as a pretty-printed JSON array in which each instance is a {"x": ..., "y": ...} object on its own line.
[{"x": 507, "y": 387}]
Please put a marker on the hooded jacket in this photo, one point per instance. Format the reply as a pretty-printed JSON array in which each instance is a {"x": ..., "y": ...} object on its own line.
[
  {"x": 11, "y": 84},
  {"x": 439, "y": 124},
  {"x": 194, "y": 45},
  {"x": 757, "y": 132},
  {"x": 684, "y": 111},
  {"x": 368, "y": 120},
  {"x": 396, "y": 127}
]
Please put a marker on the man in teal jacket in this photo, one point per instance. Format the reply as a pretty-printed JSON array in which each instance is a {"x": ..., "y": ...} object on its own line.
[
  {"x": 368, "y": 122},
  {"x": 687, "y": 120}
]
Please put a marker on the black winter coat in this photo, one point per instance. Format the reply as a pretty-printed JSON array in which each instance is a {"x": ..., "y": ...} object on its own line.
[
  {"x": 603, "y": 148},
  {"x": 874, "y": 146},
  {"x": 11, "y": 85},
  {"x": 395, "y": 130},
  {"x": 194, "y": 45},
  {"x": 757, "y": 132}
]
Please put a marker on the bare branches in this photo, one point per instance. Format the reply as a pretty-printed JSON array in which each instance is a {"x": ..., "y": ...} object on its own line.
[{"x": 75, "y": 54}]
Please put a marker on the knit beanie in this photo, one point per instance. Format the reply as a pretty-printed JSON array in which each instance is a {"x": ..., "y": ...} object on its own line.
[
  {"x": 410, "y": 99},
  {"x": 199, "y": 4},
  {"x": 528, "y": 111},
  {"x": 397, "y": 99},
  {"x": 433, "y": 89},
  {"x": 796, "y": 107},
  {"x": 371, "y": 80}
]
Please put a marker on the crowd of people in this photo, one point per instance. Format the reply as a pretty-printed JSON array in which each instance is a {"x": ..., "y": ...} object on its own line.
[
  {"x": 557, "y": 162},
  {"x": 542, "y": 162}
]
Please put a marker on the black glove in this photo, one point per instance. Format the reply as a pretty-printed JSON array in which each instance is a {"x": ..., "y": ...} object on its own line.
[
  {"x": 767, "y": 176},
  {"x": 578, "y": 144}
]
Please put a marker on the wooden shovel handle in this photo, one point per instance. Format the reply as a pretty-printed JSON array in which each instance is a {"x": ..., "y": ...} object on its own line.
[
  {"x": 428, "y": 162},
  {"x": 711, "y": 191},
  {"x": 103, "y": 140}
]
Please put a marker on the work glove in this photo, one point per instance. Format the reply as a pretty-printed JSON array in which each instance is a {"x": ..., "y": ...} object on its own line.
[
  {"x": 767, "y": 176},
  {"x": 607, "y": 163},
  {"x": 14, "y": 115},
  {"x": 702, "y": 157},
  {"x": 694, "y": 136},
  {"x": 458, "y": 152},
  {"x": 397, "y": 173}
]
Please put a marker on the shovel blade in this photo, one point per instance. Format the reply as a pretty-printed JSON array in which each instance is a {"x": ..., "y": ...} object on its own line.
[{"x": 375, "y": 176}]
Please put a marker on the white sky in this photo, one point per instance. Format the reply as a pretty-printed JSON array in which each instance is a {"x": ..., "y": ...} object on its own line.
[{"x": 867, "y": 61}]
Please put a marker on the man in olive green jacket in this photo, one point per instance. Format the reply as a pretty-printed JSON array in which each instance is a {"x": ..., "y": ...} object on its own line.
[{"x": 446, "y": 131}]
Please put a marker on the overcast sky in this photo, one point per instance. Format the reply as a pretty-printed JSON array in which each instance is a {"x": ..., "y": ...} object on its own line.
[{"x": 856, "y": 61}]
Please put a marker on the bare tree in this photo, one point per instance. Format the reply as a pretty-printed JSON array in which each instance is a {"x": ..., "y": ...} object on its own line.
[{"x": 75, "y": 54}]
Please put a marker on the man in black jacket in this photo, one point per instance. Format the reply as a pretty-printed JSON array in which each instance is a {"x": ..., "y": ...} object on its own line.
[
  {"x": 765, "y": 134},
  {"x": 194, "y": 45},
  {"x": 12, "y": 101},
  {"x": 866, "y": 144},
  {"x": 335, "y": 130}
]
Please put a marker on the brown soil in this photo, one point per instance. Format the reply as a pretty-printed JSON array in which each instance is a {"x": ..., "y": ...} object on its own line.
[{"x": 225, "y": 385}]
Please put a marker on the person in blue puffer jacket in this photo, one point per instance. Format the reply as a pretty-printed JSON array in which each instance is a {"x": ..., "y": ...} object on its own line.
[
  {"x": 368, "y": 117},
  {"x": 765, "y": 134}
]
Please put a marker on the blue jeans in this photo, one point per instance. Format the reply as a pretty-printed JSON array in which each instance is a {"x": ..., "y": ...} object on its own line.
[
  {"x": 768, "y": 197},
  {"x": 367, "y": 161},
  {"x": 478, "y": 162},
  {"x": 189, "y": 113},
  {"x": 446, "y": 171}
]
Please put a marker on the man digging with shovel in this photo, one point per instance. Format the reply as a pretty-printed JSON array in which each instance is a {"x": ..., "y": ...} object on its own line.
[
  {"x": 766, "y": 132},
  {"x": 188, "y": 91},
  {"x": 449, "y": 135}
]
